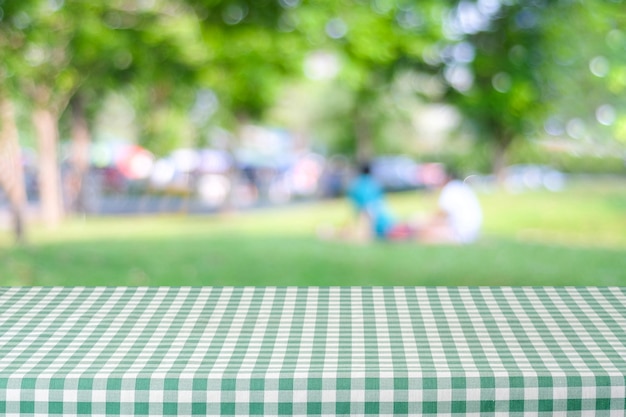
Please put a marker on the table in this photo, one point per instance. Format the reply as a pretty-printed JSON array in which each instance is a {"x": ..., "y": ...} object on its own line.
[{"x": 313, "y": 351}]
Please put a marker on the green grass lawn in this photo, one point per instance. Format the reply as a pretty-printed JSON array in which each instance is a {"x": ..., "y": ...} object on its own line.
[{"x": 575, "y": 237}]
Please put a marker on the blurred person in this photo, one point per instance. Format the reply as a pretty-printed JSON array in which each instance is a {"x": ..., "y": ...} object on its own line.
[
  {"x": 459, "y": 216},
  {"x": 373, "y": 217}
]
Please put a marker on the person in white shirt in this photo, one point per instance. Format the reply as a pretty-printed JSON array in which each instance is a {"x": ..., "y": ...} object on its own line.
[{"x": 459, "y": 217}]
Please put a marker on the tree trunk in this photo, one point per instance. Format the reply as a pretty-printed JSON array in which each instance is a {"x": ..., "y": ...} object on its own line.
[
  {"x": 51, "y": 204},
  {"x": 79, "y": 157},
  {"x": 363, "y": 136},
  {"x": 12, "y": 170},
  {"x": 19, "y": 223},
  {"x": 362, "y": 129},
  {"x": 499, "y": 161}
]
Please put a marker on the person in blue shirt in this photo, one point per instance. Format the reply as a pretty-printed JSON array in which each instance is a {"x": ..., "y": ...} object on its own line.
[
  {"x": 374, "y": 219},
  {"x": 368, "y": 201}
]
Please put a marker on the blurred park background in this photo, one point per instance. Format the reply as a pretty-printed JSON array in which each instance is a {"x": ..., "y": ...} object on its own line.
[{"x": 204, "y": 142}]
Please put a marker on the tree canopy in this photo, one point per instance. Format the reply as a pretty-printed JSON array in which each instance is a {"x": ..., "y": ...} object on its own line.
[{"x": 514, "y": 69}]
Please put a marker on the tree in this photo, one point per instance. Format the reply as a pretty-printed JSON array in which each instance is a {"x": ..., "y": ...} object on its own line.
[
  {"x": 258, "y": 46},
  {"x": 11, "y": 169},
  {"x": 75, "y": 50},
  {"x": 587, "y": 78},
  {"x": 509, "y": 65},
  {"x": 376, "y": 42},
  {"x": 48, "y": 81},
  {"x": 15, "y": 16},
  {"x": 253, "y": 45},
  {"x": 151, "y": 50},
  {"x": 492, "y": 65}
]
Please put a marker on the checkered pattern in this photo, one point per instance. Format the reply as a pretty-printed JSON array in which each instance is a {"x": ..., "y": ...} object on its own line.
[{"x": 313, "y": 351}]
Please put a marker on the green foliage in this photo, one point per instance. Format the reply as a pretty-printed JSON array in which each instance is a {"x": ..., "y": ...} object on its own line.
[
  {"x": 498, "y": 89},
  {"x": 251, "y": 52},
  {"x": 375, "y": 41},
  {"x": 531, "y": 69},
  {"x": 166, "y": 129},
  {"x": 523, "y": 70},
  {"x": 587, "y": 71}
]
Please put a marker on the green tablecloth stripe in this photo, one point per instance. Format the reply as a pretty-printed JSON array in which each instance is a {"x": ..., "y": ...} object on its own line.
[
  {"x": 370, "y": 346},
  {"x": 509, "y": 343},
  {"x": 202, "y": 310},
  {"x": 59, "y": 355},
  {"x": 599, "y": 323},
  {"x": 177, "y": 315},
  {"x": 474, "y": 331},
  {"x": 236, "y": 351},
  {"x": 446, "y": 334},
  {"x": 43, "y": 327},
  {"x": 523, "y": 331},
  {"x": 573, "y": 329},
  {"x": 259, "y": 358},
  {"x": 613, "y": 296},
  {"x": 232, "y": 361},
  {"x": 418, "y": 329},
  {"x": 132, "y": 303},
  {"x": 223, "y": 319},
  {"x": 388, "y": 304},
  {"x": 289, "y": 358},
  {"x": 137, "y": 330},
  {"x": 546, "y": 332},
  {"x": 321, "y": 311}
]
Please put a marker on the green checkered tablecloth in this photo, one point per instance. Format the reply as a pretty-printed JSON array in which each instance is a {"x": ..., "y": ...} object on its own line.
[{"x": 538, "y": 351}]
